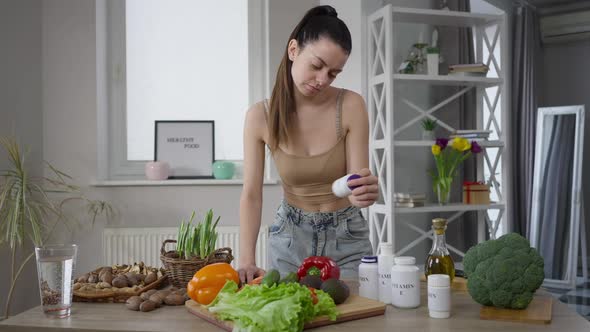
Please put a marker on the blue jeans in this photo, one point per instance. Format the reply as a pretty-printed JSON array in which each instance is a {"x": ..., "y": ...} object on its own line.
[{"x": 342, "y": 235}]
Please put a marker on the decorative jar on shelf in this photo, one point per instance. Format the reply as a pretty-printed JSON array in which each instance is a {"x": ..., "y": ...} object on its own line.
[
  {"x": 420, "y": 60},
  {"x": 428, "y": 135},
  {"x": 223, "y": 170},
  {"x": 428, "y": 126},
  {"x": 157, "y": 170},
  {"x": 432, "y": 60}
]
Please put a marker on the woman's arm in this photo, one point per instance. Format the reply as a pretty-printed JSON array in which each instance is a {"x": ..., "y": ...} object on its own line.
[
  {"x": 356, "y": 120},
  {"x": 251, "y": 198}
]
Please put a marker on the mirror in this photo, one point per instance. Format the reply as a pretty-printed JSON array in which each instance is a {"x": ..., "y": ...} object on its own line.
[{"x": 555, "y": 217}]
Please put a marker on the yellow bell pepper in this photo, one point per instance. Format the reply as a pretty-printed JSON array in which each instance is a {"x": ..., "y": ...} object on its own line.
[{"x": 208, "y": 281}]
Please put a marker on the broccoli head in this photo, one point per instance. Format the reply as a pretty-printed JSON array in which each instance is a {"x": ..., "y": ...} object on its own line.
[{"x": 504, "y": 273}]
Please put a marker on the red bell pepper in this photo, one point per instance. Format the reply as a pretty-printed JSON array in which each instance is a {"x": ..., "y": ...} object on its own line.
[{"x": 323, "y": 266}]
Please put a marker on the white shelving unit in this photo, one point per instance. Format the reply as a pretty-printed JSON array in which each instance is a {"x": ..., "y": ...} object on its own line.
[
  {"x": 483, "y": 144},
  {"x": 490, "y": 37},
  {"x": 484, "y": 82}
]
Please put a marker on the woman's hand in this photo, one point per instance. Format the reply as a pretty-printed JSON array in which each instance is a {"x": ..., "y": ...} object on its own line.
[
  {"x": 249, "y": 272},
  {"x": 368, "y": 189}
]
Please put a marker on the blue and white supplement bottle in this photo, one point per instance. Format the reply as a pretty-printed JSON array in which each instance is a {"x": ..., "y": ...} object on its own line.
[
  {"x": 369, "y": 278},
  {"x": 340, "y": 187},
  {"x": 405, "y": 283}
]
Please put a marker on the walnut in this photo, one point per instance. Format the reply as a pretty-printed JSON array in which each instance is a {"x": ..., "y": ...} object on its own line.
[
  {"x": 146, "y": 306},
  {"x": 103, "y": 284},
  {"x": 174, "y": 299},
  {"x": 156, "y": 299},
  {"x": 151, "y": 277},
  {"x": 93, "y": 278},
  {"x": 133, "y": 303},
  {"x": 120, "y": 282}
]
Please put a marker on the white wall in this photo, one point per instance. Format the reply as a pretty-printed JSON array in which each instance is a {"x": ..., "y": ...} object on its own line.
[
  {"x": 20, "y": 116},
  {"x": 350, "y": 12},
  {"x": 283, "y": 16}
]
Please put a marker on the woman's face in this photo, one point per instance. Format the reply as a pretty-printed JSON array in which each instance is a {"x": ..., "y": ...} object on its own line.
[{"x": 316, "y": 65}]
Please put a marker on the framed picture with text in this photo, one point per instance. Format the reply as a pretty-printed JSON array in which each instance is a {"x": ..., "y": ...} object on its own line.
[{"x": 187, "y": 146}]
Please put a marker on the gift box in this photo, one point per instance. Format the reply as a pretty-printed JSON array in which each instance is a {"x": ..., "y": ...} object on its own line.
[{"x": 476, "y": 193}]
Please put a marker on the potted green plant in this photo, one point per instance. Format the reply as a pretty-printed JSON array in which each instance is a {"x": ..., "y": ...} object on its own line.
[
  {"x": 31, "y": 207},
  {"x": 428, "y": 126}
]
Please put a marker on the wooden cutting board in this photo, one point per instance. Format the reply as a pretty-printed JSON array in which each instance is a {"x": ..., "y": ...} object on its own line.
[
  {"x": 355, "y": 307},
  {"x": 538, "y": 312}
]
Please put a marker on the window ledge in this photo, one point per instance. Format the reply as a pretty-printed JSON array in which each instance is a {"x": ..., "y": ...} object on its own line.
[{"x": 151, "y": 183}]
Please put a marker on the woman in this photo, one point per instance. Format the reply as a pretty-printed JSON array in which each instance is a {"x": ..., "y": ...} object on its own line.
[{"x": 316, "y": 134}]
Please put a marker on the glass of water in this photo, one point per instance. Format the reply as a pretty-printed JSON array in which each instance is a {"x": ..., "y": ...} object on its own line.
[{"x": 55, "y": 268}]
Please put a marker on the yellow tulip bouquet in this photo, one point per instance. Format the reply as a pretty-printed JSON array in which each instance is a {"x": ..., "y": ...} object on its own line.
[{"x": 448, "y": 157}]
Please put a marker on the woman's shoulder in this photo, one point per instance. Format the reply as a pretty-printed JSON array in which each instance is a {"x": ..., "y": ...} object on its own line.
[
  {"x": 256, "y": 118},
  {"x": 258, "y": 111},
  {"x": 353, "y": 105},
  {"x": 351, "y": 98}
]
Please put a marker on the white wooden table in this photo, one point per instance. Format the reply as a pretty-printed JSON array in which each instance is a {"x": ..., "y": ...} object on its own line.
[{"x": 115, "y": 317}]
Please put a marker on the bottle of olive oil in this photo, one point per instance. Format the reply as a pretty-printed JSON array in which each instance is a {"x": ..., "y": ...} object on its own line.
[{"x": 439, "y": 259}]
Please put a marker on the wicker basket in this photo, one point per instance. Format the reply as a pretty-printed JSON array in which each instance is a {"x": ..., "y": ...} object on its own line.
[
  {"x": 115, "y": 295},
  {"x": 181, "y": 271}
]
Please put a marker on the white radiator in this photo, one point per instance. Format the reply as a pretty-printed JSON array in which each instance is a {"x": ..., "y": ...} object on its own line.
[{"x": 129, "y": 245}]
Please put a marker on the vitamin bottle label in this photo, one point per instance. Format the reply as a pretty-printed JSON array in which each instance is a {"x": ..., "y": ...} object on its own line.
[{"x": 439, "y": 299}]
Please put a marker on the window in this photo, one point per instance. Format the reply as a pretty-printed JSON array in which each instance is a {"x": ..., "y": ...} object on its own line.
[{"x": 179, "y": 60}]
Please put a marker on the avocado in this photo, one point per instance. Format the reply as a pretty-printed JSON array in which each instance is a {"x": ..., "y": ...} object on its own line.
[
  {"x": 337, "y": 290},
  {"x": 271, "y": 278},
  {"x": 291, "y": 277},
  {"x": 311, "y": 281}
]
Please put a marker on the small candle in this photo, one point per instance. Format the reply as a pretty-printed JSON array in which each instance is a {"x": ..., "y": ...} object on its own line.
[{"x": 434, "y": 38}]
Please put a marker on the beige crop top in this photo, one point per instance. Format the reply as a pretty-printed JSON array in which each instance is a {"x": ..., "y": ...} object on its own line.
[{"x": 307, "y": 181}]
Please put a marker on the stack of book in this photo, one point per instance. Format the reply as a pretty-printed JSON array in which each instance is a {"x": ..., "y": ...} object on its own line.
[
  {"x": 471, "y": 69},
  {"x": 409, "y": 199},
  {"x": 474, "y": 134}
]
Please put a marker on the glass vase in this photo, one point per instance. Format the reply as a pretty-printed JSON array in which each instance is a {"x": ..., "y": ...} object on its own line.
[
  {"x": 443, "y": 190},
  {"x": 420, "y": 59}
]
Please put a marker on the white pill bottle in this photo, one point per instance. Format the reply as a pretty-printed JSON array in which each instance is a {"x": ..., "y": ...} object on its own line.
[
  {"x": 340, "y": 187},
  {"x": 439, "y": 296},
  {"x": 369, "y": 278},
  {"x": 384, "y": 266},
  {"x": 405, "y": 283}
]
